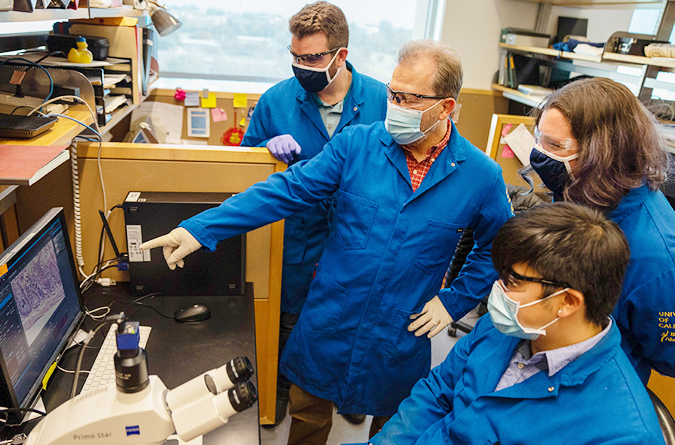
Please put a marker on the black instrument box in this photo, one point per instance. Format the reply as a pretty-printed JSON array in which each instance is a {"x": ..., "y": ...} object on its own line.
[
  {"x": 98, "y": 46},
  {"x": 148, "y": 215}
]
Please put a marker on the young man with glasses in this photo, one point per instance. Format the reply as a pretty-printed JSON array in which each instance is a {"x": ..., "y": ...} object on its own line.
[
  {"x": 294, "y": 120},
  {"x": 406, "y": 189},
  {"x": 546, "y": 364}
]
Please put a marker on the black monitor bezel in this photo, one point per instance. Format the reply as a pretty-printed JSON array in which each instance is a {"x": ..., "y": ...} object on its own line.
[{"x": 8, "y": 396}]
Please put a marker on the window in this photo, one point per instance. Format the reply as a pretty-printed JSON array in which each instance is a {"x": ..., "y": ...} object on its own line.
[{"x": 241, "y": 46}]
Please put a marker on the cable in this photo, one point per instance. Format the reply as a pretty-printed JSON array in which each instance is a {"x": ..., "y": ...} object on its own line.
[
  {"x": 26, "y": 106},
  {"x": 51, "y": 81},
  {"x": 76, "y": 183},
  {"x": 117, "y": 317}
]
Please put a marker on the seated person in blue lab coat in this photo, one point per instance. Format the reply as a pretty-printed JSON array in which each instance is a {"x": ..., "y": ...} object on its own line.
[
  {"x": 598, "y": 145},
  {"x": 546, "y": 364},
  {"x": 406, "y": 189},
  {"x": 295, "y": 119}
]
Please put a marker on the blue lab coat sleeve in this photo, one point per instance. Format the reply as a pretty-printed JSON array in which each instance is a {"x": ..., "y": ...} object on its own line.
[
  {"x": 430, "y": 400},
  {"x": 477, "y": 275},
  {"x": 282, "y": 194}
]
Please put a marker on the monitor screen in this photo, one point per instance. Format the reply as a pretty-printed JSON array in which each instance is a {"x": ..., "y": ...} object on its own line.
[{"x": 40, "y": 306}]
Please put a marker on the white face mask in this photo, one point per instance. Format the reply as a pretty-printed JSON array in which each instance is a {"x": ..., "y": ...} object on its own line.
[
  {"x": 404, "y": 124},
  {"x": 504, "y": 313}
]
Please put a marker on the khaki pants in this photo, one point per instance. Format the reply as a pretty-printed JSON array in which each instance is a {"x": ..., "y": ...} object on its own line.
[{"x": 313, "y": 418}]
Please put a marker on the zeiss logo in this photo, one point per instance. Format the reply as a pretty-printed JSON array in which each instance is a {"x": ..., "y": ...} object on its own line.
[{"x": 131, "y": 430}]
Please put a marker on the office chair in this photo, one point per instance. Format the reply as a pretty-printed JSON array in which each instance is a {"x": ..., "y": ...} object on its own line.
[{"x": 665, "y": 418}]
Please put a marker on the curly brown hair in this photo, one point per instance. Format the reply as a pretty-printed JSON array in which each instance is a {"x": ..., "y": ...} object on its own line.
[
  {"x": 620, "y": 144},
  {"x": 321, "y": 17}
]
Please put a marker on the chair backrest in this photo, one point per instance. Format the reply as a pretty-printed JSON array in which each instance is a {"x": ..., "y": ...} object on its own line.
[{"x": 665, "y": 418}]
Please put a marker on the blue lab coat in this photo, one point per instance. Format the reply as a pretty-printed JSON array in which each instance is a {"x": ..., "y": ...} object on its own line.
[
  {"x": 287, "y": 108},
  {"x": 385, "y": 257},
  {"x": 645, "y": 312},
  {"x": 597, "y": 398}
]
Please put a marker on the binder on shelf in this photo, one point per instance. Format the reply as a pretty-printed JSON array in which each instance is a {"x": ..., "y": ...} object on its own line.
[{"x": 524, "y": 70}]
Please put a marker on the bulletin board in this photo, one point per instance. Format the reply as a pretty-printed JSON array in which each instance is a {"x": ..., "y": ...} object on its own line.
[
  {"x": 236, "y": 117},
  {"x": 503, "y": 124}
]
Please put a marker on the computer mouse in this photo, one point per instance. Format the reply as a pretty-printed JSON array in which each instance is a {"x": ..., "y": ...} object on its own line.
[{"x": 194, "y": 312}]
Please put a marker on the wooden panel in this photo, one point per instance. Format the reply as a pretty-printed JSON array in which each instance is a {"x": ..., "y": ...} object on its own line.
[
  {"x": 476, "y": 110},
  {"x": 147, "y": 167},
  {"x": 495, "y": 149}
]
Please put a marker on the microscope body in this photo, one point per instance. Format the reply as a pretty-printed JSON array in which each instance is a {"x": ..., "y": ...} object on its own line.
[{"x": 107, "y": 416}]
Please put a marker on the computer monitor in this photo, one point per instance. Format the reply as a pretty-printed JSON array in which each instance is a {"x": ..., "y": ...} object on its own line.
[{"x": 40, "y": 307}]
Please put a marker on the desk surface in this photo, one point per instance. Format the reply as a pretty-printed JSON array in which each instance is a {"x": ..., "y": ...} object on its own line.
[{"x": 178, "y": 352}]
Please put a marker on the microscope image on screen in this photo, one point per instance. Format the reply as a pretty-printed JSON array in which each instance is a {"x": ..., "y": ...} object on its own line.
[{"x": 38, "y": 291}]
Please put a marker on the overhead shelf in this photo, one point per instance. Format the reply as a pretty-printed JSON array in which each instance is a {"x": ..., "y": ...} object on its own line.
[
  {"x": 551, "y": 52},
  {"x": 43, "y": 15},
  {"x": 68, "y": 14},
  {"x": 518, "y": 96},
  {"x": 591, "y": 3}
]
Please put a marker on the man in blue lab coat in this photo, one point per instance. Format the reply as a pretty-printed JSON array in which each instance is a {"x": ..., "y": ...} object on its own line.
[
  {"x": 406, "y": 189},
  {"x": 546, "y": 364},
  {"x": 294, "y": 120}
]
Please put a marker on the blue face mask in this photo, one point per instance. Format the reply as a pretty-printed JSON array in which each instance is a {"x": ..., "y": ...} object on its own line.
[
  {"x": 314, "y": 80},
  {"x": 504, "y": 313},
  {"x": 403, "y": 124},
  {"x": 554, "y": 171}
]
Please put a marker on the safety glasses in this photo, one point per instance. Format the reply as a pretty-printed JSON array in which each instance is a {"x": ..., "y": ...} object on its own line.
[
  {"x": 511, "y": 281},
  {"x": 403, "y": 98},
  {"x": 309, "y": 59}
]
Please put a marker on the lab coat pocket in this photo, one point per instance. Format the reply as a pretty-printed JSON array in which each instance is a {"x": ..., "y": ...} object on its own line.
[
  {"x": 402, "y": 345},
  {"x": 438, "y": 245},
  {"x": 354, "y": 219},
  {"x": 324, "y": 308}
]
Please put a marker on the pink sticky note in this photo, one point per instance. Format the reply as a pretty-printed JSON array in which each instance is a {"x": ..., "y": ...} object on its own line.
[
  {"x": 505, "y": 129},
  {"x": 507, "y": 152},
  {"x": 218, "y": 114}
]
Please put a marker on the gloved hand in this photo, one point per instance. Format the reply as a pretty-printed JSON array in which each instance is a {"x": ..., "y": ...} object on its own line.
[
  {"x": 176, "y": 245},
  {"x": 434, "y": 317},
  {"x": 282, "y": 147}
]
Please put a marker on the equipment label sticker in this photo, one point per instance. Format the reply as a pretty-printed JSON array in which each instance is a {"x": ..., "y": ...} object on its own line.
[{"x": 134, "y": 240}]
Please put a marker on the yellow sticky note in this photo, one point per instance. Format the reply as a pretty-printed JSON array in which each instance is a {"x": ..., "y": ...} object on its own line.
[
  {"x": 3, "y": 269},
  {"x": 240, "y": 100},
  {"x": 50, "y": 371},
  {"x": 209, "y": 102}
]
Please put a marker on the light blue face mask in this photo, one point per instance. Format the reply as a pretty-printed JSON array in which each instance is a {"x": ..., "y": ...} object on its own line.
[
  {"x": 504, "y": 313},
  {"x": 404, "y": 124}
]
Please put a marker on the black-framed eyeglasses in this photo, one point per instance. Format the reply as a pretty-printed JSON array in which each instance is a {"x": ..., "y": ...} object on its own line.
[
  {"x": 309, "y": 59},
  {"x": 509, "y": 281},
  {"x": 404, "y": 97}
]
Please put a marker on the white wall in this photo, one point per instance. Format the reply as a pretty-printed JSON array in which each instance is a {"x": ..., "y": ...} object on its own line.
[{"x": 472, "y": 27}]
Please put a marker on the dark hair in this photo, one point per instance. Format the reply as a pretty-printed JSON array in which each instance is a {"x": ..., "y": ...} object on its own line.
[
  {"x": 568, "y": 243},
  {"x": 620, "y": 145},
  {"x": 447, "y": 81},
  {"x": 321, "y": 17}
]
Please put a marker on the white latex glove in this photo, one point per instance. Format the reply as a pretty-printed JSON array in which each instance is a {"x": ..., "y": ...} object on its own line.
[
  {"x": 434, "y": 317},
  {"x": 283, "y": 147},
  {"x": 176, "y": 245}
]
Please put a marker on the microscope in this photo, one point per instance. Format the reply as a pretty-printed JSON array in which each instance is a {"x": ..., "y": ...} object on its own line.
[{"x": 140, "y": 410}]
